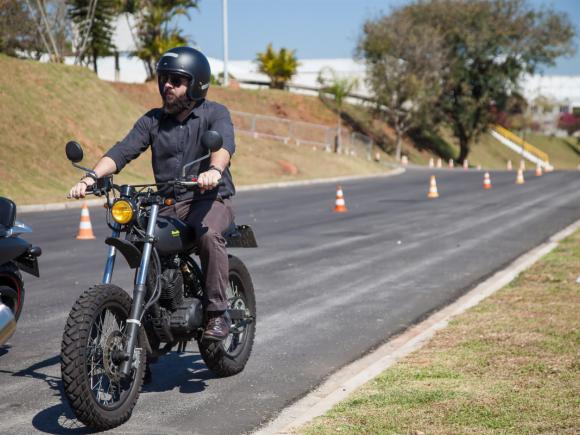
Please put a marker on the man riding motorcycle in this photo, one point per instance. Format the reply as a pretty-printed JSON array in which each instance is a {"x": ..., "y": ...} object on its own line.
[{"x": 174, "y": 133}]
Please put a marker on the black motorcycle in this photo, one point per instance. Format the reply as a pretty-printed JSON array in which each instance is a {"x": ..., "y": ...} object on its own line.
[
  {"x": 16, "y": 255},
  {"x": 110, "y": 336}
]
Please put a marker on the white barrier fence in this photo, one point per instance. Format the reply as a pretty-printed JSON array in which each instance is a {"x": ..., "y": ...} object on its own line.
[{"x": 301, "y": 133}]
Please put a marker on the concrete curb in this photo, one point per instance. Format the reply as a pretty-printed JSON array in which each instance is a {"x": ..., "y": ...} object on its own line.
[
  {"x": 318, "y": 181},
  {"x": 58, "y": 205},
  {"x": 348, "y": 379},
  {"x": 98, "y": 202}
]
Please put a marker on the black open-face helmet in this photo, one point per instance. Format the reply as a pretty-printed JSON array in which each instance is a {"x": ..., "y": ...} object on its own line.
[{"x": 188, "y": 62}]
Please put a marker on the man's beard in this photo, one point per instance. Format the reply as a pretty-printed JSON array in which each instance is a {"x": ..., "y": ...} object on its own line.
[{"x": 176, "y": 105}]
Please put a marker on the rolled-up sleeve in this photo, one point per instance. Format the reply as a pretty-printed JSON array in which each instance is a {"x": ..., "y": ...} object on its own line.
[
  {"x": 221, "y": 121},
  {"x": 136, "y": 141}
]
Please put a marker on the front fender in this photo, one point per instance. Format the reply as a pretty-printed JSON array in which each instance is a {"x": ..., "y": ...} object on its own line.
[{"x": 131, "y": 253}]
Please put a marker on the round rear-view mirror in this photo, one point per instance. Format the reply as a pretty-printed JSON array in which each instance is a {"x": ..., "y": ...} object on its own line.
[
  {"x": 74, "y": 151},
  {"x": 212, "y": 140}
]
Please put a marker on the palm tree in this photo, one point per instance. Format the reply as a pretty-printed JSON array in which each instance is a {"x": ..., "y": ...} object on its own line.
[
  {"x": 278, "y": 66},
  {"x": 155, "y": 36},
  {"x": 339, "y": 87}
]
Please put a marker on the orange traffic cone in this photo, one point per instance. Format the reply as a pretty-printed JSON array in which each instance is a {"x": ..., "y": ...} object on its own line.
[
  {"x": 522, "y": 165},
  {"x": 520, "y": 177},
  {"x": 340, "y": 206},
  {"x": 433, "y": 188},
  {"x": 509, "y": 165},
  {"x": 450, "y": 163},
  {"x": 539, "y": 170},
  {"x": 439, "y": 164},
  {"x": 431, "y": 163},
  {"x": 486, "y": 181},
  {"x": 85, "y": 227},
  {"x": 465, "y": 164}
]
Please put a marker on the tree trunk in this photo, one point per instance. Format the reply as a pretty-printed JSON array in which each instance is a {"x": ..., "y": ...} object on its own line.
[
  {"x": 463, "y": 149},
  {"x": 338, "y": 147},
  {"x": 95, "y": 62},
  {"x": 398, "y": 143}
]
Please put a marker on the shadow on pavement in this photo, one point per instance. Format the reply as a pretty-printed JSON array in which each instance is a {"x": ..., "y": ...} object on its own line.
[
  {"x": 32, "y": 372},
  {"x": 4, "y": 350},
  {"x": 184, "y": 370},
  {"x": 59, "y": 419}
]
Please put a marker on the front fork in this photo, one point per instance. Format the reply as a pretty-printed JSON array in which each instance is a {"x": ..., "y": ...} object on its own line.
[{"x": 139, "y": 292}]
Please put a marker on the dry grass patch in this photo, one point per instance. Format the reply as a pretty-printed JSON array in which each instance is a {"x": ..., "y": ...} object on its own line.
[
  {"x": 51, "y": 104},
  {"x": 509, "y": 365}
]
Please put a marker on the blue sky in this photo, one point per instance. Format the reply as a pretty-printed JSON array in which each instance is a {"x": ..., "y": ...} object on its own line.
[{"x": 315, "y": 28}]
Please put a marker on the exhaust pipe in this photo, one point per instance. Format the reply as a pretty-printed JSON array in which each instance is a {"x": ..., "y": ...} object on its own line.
[{"x": 7, "y": 323}]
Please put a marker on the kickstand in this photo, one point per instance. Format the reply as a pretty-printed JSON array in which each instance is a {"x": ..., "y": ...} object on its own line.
[{"x": 181, "y": 346}]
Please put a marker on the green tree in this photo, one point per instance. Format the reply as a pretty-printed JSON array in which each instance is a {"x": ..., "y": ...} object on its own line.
[
  {"x": 280, "y": 66},
  {"x": 404, "y": 64},
  {"x": 155, "y": 32},
  {"x": 18, "y": 31},
  {"x": 339, "y": 87},
  {"x": 93, "y": 22},
  {"x": 488, "y": 45}
]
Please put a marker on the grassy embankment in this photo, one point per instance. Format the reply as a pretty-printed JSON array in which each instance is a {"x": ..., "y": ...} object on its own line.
[
  {"x": 509, "y": 365},
  {"x": 42, "y": 106},
  {"x": 564, "y": 153},
  {"x": 261, "y": 160}
]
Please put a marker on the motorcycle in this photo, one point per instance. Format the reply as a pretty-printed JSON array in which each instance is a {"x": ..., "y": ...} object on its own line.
[
  {"x": 110, "y": 337},
  {"x": 16, "y": 255}
]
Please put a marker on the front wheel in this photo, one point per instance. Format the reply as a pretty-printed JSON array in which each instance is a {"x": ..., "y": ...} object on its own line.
[
  {"x": 229, "y": 357},
  {"x": 95, "y": 331}
]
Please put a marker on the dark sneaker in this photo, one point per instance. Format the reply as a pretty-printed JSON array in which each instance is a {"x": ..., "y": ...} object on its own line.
[{"x": 218, "y": 327}]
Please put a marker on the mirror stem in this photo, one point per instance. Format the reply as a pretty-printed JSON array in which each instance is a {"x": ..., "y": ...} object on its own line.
[
  {"x": 185, "y": 167},
  {"x": 90, "y": 171}
]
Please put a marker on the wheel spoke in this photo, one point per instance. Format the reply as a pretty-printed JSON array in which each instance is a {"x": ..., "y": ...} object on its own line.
[{"x": 107, "y": 335}]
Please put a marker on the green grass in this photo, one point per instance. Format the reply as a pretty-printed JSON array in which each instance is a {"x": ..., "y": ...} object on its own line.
[
  {"x": 508, "y": 365},
  {"x": 564, "y": 152}
]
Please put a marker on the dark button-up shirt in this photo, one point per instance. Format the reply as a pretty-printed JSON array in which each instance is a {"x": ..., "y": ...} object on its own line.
[{"x": 174, "y": 144}]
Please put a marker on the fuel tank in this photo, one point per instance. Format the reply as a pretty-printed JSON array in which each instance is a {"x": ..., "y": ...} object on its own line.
[
  {"x": 11, "y": 248},
  {"x": 173, "y": 236}
]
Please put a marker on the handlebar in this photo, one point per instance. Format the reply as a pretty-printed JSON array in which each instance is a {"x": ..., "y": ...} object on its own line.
[{"x": 193, "y": 183}]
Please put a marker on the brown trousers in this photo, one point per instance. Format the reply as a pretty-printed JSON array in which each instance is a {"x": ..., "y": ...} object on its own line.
[{"x": 209, "y": 219}]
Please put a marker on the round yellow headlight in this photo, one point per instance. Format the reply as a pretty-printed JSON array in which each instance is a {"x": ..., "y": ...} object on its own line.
[{"x": 122, "y": 212}]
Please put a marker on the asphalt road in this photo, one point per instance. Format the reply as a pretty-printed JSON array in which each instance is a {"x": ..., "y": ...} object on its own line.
[{"x": 330, "y": 288}]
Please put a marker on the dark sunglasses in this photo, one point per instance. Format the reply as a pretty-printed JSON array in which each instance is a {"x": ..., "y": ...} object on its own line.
[{"x": 175, "y": 79}]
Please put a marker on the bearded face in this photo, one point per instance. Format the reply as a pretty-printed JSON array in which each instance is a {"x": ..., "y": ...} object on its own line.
[
  {"x": 174, "y": 104},
  {"x": 174, "y": 94}
]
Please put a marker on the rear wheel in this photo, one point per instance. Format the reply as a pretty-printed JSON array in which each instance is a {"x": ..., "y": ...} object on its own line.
[
  {"x": 229, "y": 357},
  {"x": 94, "y": 333},
  {"x": 11, "y": 288}
]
